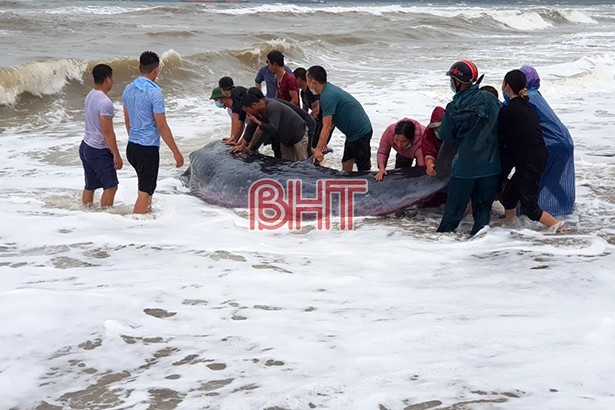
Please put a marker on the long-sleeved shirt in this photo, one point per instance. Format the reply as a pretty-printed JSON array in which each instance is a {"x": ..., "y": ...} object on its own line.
[{"x": 412, "y": 151}]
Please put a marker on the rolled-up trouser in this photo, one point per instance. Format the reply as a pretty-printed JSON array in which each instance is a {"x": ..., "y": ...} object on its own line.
[
  {"x": 524, "y": 186},
  {"x": 296, "y": 152}
]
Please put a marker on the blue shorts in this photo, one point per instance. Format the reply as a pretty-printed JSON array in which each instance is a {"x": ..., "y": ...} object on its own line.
[
  {"x": 145, "y": 160},
  {"x": 98, "y": 166}
]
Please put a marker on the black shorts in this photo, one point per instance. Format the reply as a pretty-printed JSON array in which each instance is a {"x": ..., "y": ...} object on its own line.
[
  {"x": 359, "y": 150},
  {"x": 145, "y": 160},
  {"x": 98, "y": 167}
]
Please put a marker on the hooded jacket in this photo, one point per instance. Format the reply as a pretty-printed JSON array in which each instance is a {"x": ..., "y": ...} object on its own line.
[
  {"x": 470, "y": 124},
  {"x": 557, "y": 183}
]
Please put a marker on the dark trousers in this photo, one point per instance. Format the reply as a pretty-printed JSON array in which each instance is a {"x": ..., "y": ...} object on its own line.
[
  {"x": 460, "y": 191},
  {"x": 314, "y": 141},
  {"x": 403, "y": 162},
  {"x": 524, "y": 186},
  {"x": 267, "y": 139}
]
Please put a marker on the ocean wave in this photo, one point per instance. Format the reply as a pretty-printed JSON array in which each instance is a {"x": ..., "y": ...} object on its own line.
[
  {"x": 52, "y": 76},
  {"x": 591, "y": 73},
  {"x": 173, "y": 33},
  {"x": 40, "y": 78},
  {"x": 517, "y": 19},
  {"x": 252, "y": 57}
]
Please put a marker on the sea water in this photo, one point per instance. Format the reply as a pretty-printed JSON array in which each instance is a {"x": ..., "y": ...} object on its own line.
[{"x": 188, "y": 308}]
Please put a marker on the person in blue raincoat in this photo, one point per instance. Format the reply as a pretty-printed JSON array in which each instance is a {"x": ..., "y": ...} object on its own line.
[
  {"x": 470, "y": 125},
  {"x": 557, "y": 182}
]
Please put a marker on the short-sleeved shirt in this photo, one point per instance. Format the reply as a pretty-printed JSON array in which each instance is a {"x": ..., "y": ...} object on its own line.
[
  {"x": 309, "y": 98},
  {"x": 97, "y": 104},
  {"x": 348, "y": 113},
  {"x": 236, "y": 96},
  {"x": 287, "y": 84},
  {"x": 142, "y": 99},
  {"x": 264, "y": 74}
]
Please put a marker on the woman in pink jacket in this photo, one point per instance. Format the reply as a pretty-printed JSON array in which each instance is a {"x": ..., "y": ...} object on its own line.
[{"x": 405, "y": 137}]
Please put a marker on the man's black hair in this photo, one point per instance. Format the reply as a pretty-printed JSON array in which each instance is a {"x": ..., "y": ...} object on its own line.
[
  {"x": 249, "y": 99},
  {"x": 317, "y": 73},
  {"x": 490, "y": 89},
  {"x": 256, "y": 92},
  {"x": 148, "y": 62},
  {"x": 276, "y": 57},
  {"x": 300, "y": 73},
  {"x": 101, "y": 72}
]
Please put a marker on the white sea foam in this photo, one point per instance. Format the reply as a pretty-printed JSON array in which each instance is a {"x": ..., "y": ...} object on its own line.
[{"x": 101, "y": 10}]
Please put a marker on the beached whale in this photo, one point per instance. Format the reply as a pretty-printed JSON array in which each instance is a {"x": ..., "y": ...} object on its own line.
[{"x": 220, "y": 178}]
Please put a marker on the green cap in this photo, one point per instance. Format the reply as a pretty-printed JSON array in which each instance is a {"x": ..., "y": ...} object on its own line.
[{"x": 216, "y": 93}]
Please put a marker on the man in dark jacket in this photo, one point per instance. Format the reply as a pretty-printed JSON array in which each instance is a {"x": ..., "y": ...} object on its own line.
[
  {"x": 281, "y": 122},
  {"x": 470, "y": 125}
]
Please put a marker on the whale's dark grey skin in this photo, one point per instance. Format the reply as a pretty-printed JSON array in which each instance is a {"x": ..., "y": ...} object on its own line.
[{"x": 219, "y": 178}]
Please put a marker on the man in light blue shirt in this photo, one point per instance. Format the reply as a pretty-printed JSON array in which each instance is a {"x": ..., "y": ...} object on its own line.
[{"x": 146, "y": 122}]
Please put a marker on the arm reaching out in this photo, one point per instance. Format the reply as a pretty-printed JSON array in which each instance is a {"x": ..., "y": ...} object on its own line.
[{"x": 167, "y": 136}]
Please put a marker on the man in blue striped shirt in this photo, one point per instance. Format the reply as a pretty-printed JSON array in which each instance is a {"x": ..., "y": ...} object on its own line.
[{"x": 146, "y": 122}]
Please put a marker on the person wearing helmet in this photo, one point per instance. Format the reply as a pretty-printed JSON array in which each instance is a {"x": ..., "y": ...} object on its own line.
[{"x": 470, "y": 125}]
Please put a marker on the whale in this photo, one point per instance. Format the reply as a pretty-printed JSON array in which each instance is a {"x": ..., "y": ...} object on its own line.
[{"x": 229, "y": 180}]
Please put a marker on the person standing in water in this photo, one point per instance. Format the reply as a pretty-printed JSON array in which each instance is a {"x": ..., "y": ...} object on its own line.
[
  {"x": 146, "y": 123},
  {"x": 470, "y": 125},
  {"x": 522, "y": 137},
  {"x": 98, "y": 151},
  {"x": 557, "y": 182}
]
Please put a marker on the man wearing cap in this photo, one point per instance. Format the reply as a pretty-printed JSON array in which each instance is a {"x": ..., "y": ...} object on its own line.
[
  {"x": 470, "y": 123},
  {"x": 146, "y": 123},
  {"x": 342, "y": 110},
  {"x": 238, "y": 116}
]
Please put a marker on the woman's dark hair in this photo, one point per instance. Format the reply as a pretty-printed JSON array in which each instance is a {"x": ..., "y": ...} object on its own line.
[
  {"x": 516, "y": 81},
  {"x": 405, "y": 128}
]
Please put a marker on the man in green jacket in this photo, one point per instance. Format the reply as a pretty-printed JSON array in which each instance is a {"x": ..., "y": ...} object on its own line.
[{"x": 470, "y": 126}]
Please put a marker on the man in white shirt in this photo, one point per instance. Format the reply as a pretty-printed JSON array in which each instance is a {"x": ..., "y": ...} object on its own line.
[{"x": 98, "y": 151}]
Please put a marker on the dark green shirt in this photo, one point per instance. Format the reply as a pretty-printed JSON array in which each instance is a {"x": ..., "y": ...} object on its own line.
[{"x": 348, "y": 113}]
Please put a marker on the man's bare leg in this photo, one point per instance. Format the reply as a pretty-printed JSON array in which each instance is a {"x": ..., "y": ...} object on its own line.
[
  {"x": 108, "y": 196},
  {"x": 144, "y": 201},
  {"x": 87, "y": 197},
  {"x": 347, "y": 165}
]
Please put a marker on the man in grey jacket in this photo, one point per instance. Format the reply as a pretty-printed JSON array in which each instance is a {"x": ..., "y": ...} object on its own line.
[{"x": 280, "y": 122}]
